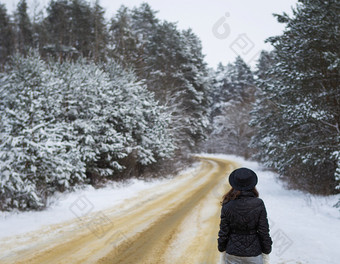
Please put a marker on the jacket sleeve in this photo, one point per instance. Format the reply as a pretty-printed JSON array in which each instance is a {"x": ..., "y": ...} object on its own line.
[
  {"x": 263, "y": 231},
  {"x": 223, "y": 232}
]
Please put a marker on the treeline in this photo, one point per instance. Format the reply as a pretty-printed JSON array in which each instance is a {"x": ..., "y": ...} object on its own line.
[
  {"x": 233, "y": 95},
  {"x": 169, "y": 60},
  {"x": 66, "y": 124},
  {"x": 85, "y": 100},
  {"x": 297, "y": 112},
  {"x": 286, "y": 113},
  {"x": 66, "y": 29}
]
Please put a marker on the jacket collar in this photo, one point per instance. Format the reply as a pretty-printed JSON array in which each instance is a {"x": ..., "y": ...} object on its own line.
[{"x": 246, "y": 194}]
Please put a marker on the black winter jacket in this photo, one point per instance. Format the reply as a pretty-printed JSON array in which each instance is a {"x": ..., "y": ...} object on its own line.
[{"x": 244, "y": 229}]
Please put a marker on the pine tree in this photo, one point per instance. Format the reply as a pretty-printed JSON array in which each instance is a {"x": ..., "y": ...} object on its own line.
[
  {"x": 88, "y": 102},
  {"x": 103, "y": 123},
  {"x": 172, "y": 64},
  {"x": 144, "y": 123},
  {"x": 100, "y": 33},
  {"x": 6, "y": 36},
  {"x": 264, "y": 64},
  {"x": 232, "y": 93},
  {"x": 242, "y": 86},
  {"x": 265, "y": 110},
  {"x": 122, "y": 40},
  {"x": 35, "y": 158},
  {"x": 195, "y": 87},
  {"x": 38, "y": 28},
  {"x": 235, "y": 82},
  {"x": 81, "y": 27},
  {"x": 24, "y": 28},
  {"x": 301, "y": 138},
  {"x": 59, "y": 41},
  {"x": 118, "y": 125},
  {"x": 144, "y": 27}
]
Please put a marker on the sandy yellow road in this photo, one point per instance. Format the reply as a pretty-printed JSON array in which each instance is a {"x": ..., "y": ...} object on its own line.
[{"x": 175, "y": 222}]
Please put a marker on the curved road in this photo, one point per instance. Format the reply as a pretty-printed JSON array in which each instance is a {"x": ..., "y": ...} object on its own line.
[{"x": 175, "y": 222}]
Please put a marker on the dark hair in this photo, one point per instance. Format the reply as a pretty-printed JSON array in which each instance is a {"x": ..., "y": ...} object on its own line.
[{"x": 232, "y": 194}]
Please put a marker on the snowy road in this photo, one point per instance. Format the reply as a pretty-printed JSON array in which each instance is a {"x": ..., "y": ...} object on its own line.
[{"x": 174, "y": 222}]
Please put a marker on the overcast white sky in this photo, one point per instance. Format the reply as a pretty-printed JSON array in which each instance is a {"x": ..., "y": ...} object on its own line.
[{"x": 226, "y": 27}]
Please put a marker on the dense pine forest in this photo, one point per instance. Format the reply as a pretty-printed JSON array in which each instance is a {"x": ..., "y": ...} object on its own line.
[{"x": 87, "y": 100}]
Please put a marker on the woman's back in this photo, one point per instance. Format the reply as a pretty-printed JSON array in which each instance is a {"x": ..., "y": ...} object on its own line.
[
  {"x": 244, "y": 229},
  {"x": 248, "y": 223}
]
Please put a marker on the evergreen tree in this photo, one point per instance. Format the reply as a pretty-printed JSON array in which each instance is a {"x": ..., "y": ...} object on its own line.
[
  {"x": 232, "y": 93},
  {"x": 88, "y": 102},
  {"x": 144, "y": 123},
  {"x": 100, "y": 34},
  {"x": 232, "y": 82},
  {"x": 38, "y": 27},
  {"x": 6, "y": 36},
  {"x": 72, "y": 27},
  {"x": 103, "y": 123},
  {"x": 264, "y": 108},
  {"x": 172, "y": 64},
  {"x": 35, "y": 158},
  {"x": 123, "y": 41},
  {"x": 298, "y": 132},
  {"x": 242, "y": 85},
  {"x": 81, "y": 27},
  {"x": 118, "y": 125},
  {"x": 194, "y": 88},
  {"x": 265, "y": 62},
  {"x": 24, "y": 28},
  {"x": 179, "y": 77},
  {"x": 144, "y": 28},
  {"x": 59, "y": 32}
]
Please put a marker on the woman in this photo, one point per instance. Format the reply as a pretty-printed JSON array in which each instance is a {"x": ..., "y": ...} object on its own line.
[{"x": 244, "y": 229}]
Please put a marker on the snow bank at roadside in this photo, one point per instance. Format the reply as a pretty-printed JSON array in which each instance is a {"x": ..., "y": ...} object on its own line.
[
  {"x": 65, "y": 206},
  {"x": 305, "y": 228}
]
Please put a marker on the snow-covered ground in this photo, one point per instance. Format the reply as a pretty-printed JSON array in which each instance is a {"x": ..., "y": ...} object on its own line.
[{"x": 305, "y": 228}]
